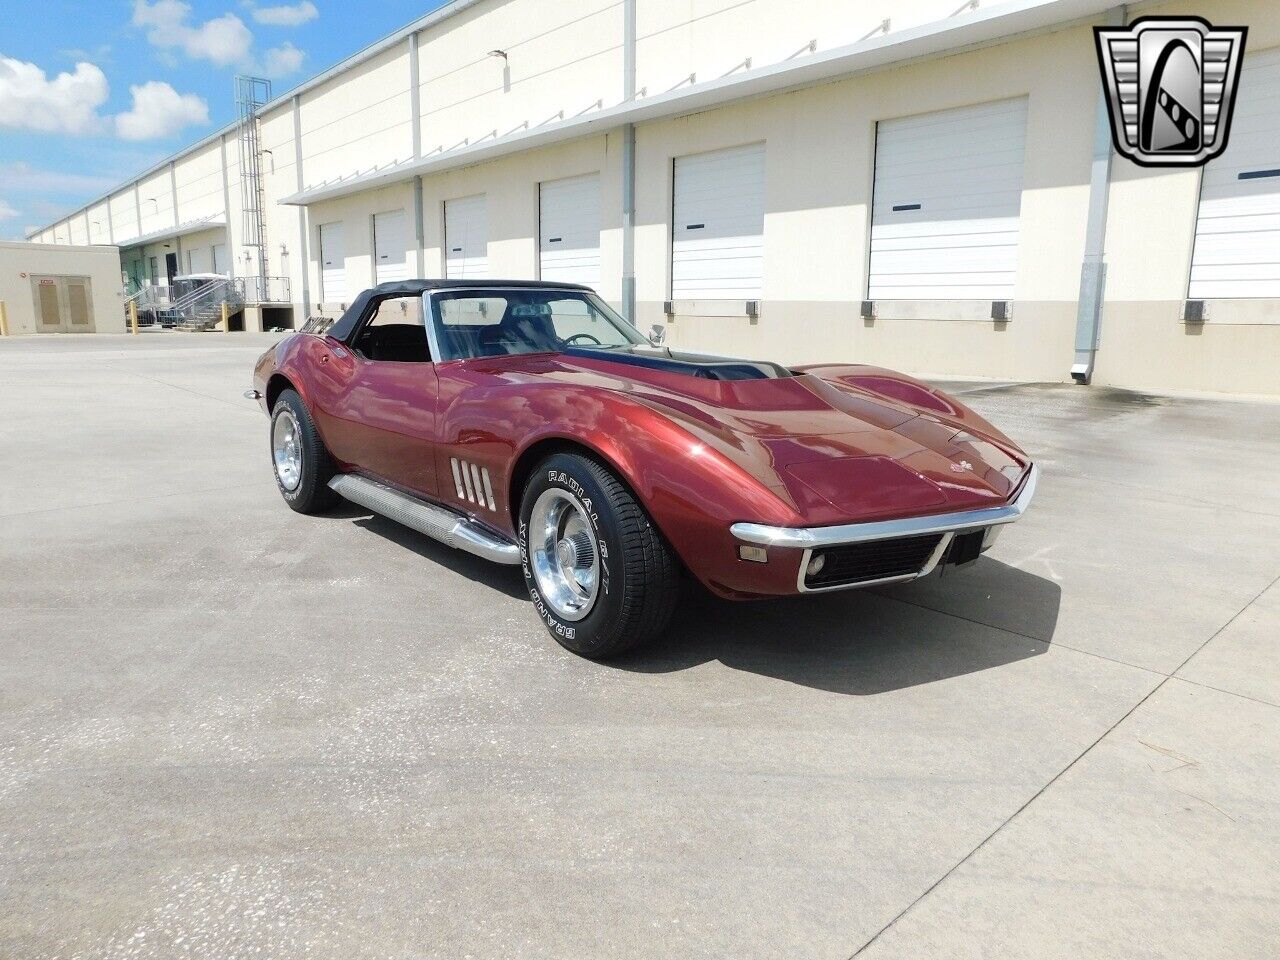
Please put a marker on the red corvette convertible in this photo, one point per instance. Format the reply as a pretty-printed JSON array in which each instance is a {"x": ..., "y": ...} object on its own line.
[{"x": 529, "y": 424}]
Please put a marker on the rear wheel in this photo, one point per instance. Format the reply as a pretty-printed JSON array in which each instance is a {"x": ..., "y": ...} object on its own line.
[
  {"x": 300, "y": 461},
  {"x": 601, "y": 576}
]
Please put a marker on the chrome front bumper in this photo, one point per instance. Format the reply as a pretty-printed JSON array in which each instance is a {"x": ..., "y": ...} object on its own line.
[{"x": 948, "y": 525}]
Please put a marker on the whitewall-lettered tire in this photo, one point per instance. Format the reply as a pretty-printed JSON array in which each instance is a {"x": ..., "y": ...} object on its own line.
[{"x": 602, "y": 578}]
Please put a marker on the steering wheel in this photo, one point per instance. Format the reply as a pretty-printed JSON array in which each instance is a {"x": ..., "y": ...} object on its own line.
[{"x": 580, "y": 336}]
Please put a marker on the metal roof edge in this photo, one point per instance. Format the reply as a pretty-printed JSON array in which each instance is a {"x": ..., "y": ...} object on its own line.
[
  {"x": 984, "y": 26},
  {"x": 183, "y": 229}
]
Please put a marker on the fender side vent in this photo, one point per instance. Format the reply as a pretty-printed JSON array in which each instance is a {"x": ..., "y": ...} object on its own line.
[{"x": 472, "y": 483}]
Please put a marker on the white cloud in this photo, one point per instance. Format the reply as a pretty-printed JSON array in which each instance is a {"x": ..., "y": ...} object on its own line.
[
  {"x": 287, "y": 15},
  {"x": 224, "y": 40},
  {"x": 281, "y": 60},
  {"x": 66, "y": 104},
  {"x": 159, "y": 111},
  {"x": 7, "y": 212}
]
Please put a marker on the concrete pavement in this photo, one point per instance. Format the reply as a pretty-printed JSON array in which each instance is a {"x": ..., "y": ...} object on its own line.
[{"x": 227, "y": 730}]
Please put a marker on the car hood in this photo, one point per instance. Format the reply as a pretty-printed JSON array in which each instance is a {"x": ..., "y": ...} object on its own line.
[{"x": 829, "y": 440}]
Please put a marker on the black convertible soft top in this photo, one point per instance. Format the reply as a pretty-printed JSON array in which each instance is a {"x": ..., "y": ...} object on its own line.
[{"x": 346, "y": 324}]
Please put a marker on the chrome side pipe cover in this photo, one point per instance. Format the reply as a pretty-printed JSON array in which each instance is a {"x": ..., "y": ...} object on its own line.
[{"x": 451, "y": 529}]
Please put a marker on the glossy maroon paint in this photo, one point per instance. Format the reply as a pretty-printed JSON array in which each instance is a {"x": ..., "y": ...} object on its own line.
[{"x": 831, "y": 445}]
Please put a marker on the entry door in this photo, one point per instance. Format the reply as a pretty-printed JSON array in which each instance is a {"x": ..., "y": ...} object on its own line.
[
  {"x": 1237, "y": 252},
  {"x": 717, "y": 241},
  {"x": 171, "y": 266},
  {"x": 220, "y": 258},
  {"x": 333, "y": 264},
  {"x": 569, "y": 230},
  {"x": 947, "y": 204},
  {"x": 47, "y": 293},
  {"x": 466, "y": 237},
  {"x": 63, "y": 304},
  {"x": 389, "y": 247}
]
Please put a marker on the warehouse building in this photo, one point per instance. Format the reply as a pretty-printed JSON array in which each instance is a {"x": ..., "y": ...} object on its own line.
[{"x": 898, "y": 183}]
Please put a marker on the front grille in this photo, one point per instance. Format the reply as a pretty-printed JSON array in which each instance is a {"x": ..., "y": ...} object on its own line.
[{"x": 877, "y": 560}]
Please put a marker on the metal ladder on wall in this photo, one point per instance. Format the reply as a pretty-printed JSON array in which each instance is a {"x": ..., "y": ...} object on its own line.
[{"x": 252, "y": 94}]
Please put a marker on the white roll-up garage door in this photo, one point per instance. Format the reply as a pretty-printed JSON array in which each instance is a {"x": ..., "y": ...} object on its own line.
[
  {"x": 1237, "y": 250},
  {"x": 948, "y": 191},
  {"x": 389, "y": 247},
  {"x": 569, "y": 230},
  {"x": 717, "y": 242},
  {"x": 466, "y": 237},
  {"x": 333, "y": 264}
]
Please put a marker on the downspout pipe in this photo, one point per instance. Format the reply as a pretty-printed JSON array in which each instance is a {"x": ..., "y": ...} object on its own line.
[
  {"x": 1093, "y": 269},
  {"x": 415, "y": 115},
  {"x": 629, "y": 164}
]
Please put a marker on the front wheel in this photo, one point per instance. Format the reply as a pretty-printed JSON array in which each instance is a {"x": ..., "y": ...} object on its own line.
[
  {"x": 601, "y": 576},
  {"x": 301, "y": 462}
]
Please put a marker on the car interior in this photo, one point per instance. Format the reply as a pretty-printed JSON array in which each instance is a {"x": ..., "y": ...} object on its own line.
[{"x": 394, "y": 332}]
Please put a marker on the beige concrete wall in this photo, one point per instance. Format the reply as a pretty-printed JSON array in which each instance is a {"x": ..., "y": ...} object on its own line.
[
  {"x": 98, "y": 224},
  {"x": 709, "y": 38},
  {"x": 562, "y": 56},
  {"x": 819, "y": 155},
  {"x": 156, "y": 196},
  {"x": 358, "y": 120},
  {"x": 101, "y": 264},
  {"x": 199, "y": 180},
  {"x": 124, "y": 215}
]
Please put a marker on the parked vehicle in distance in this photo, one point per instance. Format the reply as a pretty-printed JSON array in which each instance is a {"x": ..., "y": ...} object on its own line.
[{"x": 529, "y": 424}]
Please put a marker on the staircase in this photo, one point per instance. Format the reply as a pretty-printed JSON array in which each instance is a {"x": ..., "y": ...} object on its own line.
[{"x": 201, "y": 308}]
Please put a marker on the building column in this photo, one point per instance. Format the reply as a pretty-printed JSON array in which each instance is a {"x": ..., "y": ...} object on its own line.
[
  {"x": 173, "y": 190},
  {"x": 303, "y": 226},
  {"x": 226, "y": 209}
]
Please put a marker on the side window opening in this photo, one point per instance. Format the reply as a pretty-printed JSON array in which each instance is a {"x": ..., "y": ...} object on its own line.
[{"x": 395, "y": 332}]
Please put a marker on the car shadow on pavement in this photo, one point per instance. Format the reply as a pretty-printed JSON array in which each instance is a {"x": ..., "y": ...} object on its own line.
[
  {"x": 865, "y": 642},
  {"x": 492, "y": 575}
]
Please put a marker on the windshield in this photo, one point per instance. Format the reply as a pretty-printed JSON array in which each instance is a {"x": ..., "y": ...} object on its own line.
[{"x": 496, "y": 322}]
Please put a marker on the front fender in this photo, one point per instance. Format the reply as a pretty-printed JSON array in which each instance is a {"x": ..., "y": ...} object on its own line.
[{"x": 692, "y": 487}]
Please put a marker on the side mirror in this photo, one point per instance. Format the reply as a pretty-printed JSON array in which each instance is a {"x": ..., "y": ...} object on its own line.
[{"x": 657, "y": 334}]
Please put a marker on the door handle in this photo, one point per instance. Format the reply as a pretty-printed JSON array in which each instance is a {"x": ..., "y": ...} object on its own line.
[{"x": 324, "y": 358}]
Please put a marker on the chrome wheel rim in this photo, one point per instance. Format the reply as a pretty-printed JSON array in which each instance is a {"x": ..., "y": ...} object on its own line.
[
  {"x": 564, "y": 555},
  {"x": 286, "y": 450}
]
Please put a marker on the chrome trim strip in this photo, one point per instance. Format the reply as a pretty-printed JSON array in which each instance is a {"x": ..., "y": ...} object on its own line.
[
  {"x": 437, "y": 522},
  {"x": 929, "y": 565},
  {"x": 808, "y": 538}
]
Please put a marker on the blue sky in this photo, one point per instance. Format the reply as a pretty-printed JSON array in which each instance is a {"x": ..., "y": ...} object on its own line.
[{"x": 94, "y": 91}]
